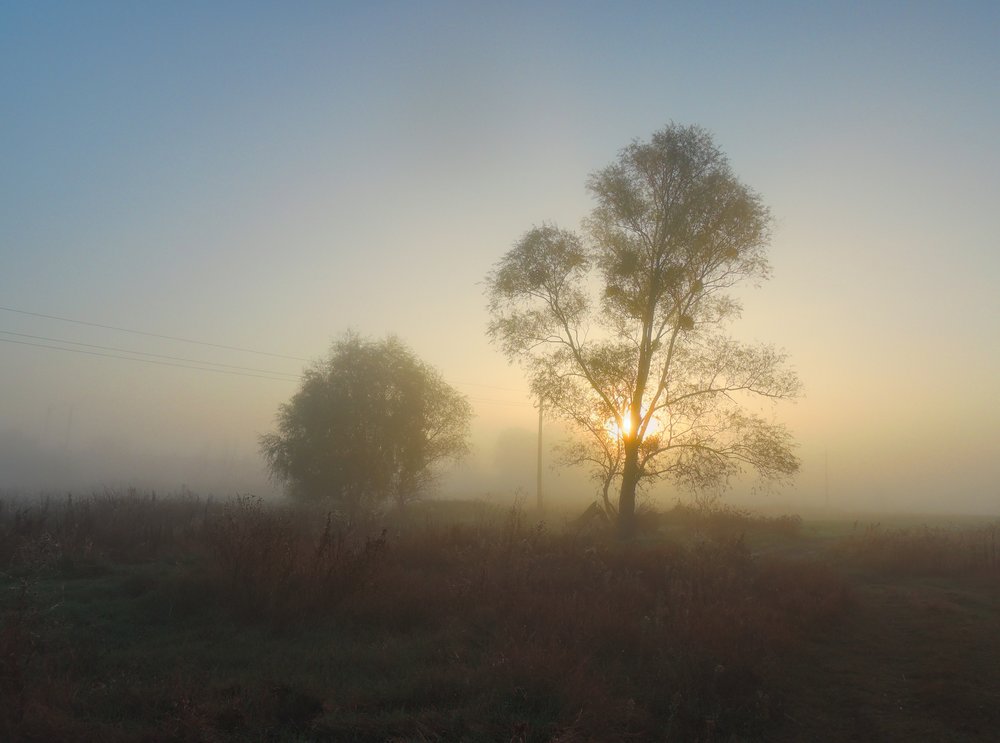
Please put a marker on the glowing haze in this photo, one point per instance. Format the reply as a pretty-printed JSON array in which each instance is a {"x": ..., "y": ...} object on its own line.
[{"x": 267, "y": 177}]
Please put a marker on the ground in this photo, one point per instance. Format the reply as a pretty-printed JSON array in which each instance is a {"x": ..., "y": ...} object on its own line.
[
  {"x": 127, "y": 618},
  {"x": 915, "y": 659}
]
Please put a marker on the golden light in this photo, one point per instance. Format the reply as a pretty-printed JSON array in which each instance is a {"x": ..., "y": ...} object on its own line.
[
  {"x": 614, "y": 430},
  {"x": 619, "y": 432}
]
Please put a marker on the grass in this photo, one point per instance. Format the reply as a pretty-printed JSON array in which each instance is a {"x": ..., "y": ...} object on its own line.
[
  {"x": 926, "y": 550},
  {"x": 129, "y": 617}
]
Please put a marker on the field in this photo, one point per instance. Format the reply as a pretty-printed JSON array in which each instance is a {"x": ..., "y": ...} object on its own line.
[{"x": 127, "y": 617}]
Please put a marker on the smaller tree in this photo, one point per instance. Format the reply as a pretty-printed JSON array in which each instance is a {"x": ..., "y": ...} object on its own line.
[{"x": 370, "y": 424}]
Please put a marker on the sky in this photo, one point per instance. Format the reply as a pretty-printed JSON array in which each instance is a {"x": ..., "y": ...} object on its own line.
[{"x": 268, "y": 176}]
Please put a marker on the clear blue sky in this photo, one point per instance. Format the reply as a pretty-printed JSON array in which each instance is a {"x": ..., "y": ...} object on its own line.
[{"x": 270, "y": 175}]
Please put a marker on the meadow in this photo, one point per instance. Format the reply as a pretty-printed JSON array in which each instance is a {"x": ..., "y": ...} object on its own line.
[{"x": 130, "y": 617}]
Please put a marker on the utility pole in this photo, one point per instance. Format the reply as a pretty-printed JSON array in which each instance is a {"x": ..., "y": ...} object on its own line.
[
  {"x": 538, "y": 483},
  {"x": 826, "y": 477}
]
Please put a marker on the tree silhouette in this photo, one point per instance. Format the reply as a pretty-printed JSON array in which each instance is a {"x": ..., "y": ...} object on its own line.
[
  {"x": 369, "y": 424},
  {"x": 623, "y": 333}
]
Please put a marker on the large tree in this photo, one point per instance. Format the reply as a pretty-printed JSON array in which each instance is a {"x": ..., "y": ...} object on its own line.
[
  {"x": 622, "y": 332},
  {"x": 369, "y": 424}
]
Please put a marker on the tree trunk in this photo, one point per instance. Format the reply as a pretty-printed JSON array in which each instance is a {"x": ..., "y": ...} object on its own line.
[
  {"x": 626, "y": 499},
  {"x": 632, "y": 441},
  {"x": 609, "y": 507}
]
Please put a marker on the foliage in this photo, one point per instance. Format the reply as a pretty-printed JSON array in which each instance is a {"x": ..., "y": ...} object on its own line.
[
  {"x": 369, "y": 424},
  {"x": 642, "y": 367}
]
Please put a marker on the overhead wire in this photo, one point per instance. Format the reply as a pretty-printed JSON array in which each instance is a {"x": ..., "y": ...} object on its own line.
[
  {"x": 487, "y": 386},
  {"x": 203, "y": 365},
  {"x": 149, "y": 353},
  {"x": 152, "y": 335},
  {"x": 144, "y": 361},
  {"x": 512, "y": 403}
]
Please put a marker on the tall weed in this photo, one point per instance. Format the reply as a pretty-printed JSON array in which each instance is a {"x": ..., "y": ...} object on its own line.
[{"x": 925, "y": 550}]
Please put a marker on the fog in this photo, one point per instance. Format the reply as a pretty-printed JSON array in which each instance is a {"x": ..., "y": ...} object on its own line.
[
  {"x": 195, "y": 203},
  {"x": 913, "y": 477}
]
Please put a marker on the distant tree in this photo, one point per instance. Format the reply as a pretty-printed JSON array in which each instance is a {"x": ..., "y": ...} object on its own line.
[
  {"x": 370, "y": 424},
  {"x": 622, "y": 334}
]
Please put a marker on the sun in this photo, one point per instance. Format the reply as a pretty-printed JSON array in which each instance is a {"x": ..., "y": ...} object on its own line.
[
  {"x": 620, "y": 432},
  {"x": 614, "y": 430}
]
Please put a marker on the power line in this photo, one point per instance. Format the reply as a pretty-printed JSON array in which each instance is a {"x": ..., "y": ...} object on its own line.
[
  {"x": 152, "y": 335},
  {"x": 245, "y": 373},
  {"x": 512, "y": 403},
  {"x": 148, "y": 353},
  {"x": 487, "y": 386},
  {"x": 189, "y": 340},
  {"x": 144, "y": 361}
]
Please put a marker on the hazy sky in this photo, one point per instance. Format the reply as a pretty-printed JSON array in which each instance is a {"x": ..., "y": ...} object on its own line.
[{"x": 267, "y": 176}]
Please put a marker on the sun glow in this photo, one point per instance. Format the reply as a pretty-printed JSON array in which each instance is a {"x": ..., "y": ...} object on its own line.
[{"x": 620, "y": 432}]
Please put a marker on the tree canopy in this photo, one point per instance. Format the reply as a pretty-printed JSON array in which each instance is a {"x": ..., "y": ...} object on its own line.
[
  {"x": 371, "y": 423},
  {"x": 621, "y": 330}
]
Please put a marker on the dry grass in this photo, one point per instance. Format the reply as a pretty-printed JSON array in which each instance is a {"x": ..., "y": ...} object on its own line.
[
  {"x": 113, "y": 526},
  {"x": 126, "y": 617},
  {"x": 720, "y": 519},
  {"x": 925, "y": 550},
  {"x": 492, "y": 629}
]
